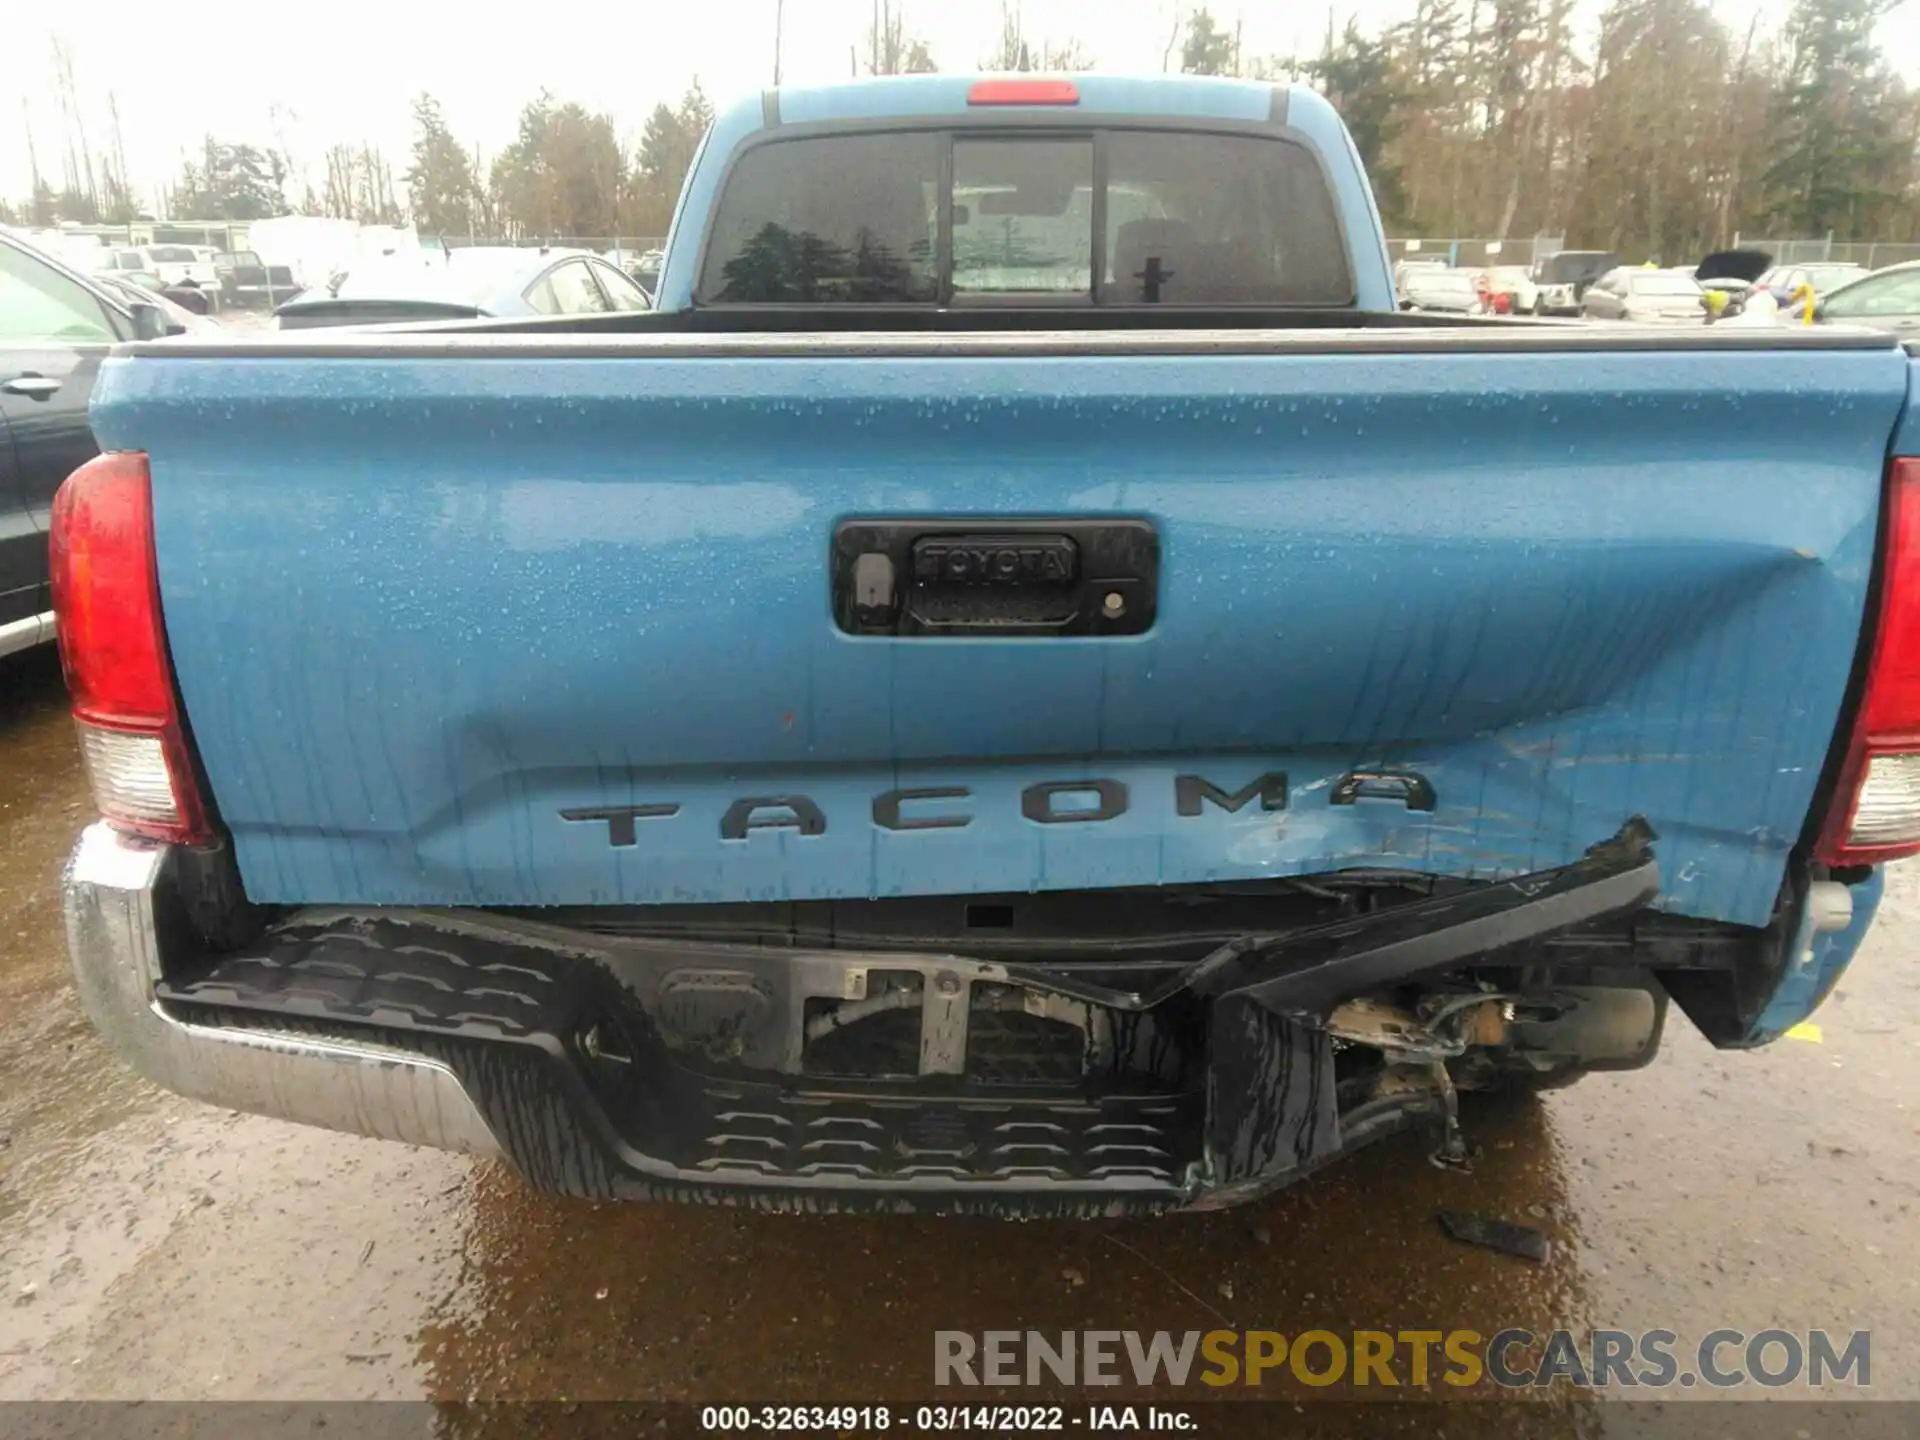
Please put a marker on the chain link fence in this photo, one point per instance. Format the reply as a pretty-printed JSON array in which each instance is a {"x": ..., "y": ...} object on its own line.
[
  {"x": 1872, "y": 254},
  {"x": 1476, "y": 252}
]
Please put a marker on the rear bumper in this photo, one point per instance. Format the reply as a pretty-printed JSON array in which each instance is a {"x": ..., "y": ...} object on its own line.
[
  {"x": 26, "y": 632},
  {"x": 636, "y": 1068},
  {"x": 118, "y": 899}
]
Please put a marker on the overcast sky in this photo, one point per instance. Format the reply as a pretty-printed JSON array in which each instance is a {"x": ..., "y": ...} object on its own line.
[{"x": 316, "y": 74}]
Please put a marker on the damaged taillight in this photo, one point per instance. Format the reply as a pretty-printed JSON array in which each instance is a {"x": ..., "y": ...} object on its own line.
[
  {"x": 106, "y": 602},
  {"x": 1875, "y": 814}
]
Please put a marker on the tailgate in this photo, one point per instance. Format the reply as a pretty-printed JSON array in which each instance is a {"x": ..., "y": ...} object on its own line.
[{"x": 522, "y": 624}]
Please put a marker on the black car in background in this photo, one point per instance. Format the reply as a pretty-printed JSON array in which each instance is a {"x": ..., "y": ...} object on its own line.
[
  {"x": 55, "y": 327},
  {"x": 1727, "y": 278},
  {"x": 246, "y": 279}
]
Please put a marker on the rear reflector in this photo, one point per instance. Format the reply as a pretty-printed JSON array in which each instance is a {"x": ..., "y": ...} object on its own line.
[
  {"x": 1024, "y": 92},
  {"x": 131, "y": 769},
  {"x": 106, "y": 602},
  {"x": 1875, "y": 814}
]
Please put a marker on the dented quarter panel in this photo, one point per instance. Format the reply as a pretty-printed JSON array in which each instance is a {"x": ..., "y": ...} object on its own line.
[{"x": 419, "y": 607}]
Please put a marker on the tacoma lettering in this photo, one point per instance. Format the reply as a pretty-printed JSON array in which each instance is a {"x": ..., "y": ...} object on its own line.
[
  {"x": 1110, "y": 799},
  {"x": 886, "y": 809},
  {"x": 1079, "y": 801},
  {"x": 786, "y": 812},
  {"x": 620, "y": 818},
  {"x": 1190, "y": 790}
]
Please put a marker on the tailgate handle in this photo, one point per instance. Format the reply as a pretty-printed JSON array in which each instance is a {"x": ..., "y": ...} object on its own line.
[{"x": 993, "y": 576}]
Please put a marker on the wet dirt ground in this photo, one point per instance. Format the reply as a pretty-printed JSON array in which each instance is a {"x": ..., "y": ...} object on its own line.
[{"x": 151, "y": 1247}]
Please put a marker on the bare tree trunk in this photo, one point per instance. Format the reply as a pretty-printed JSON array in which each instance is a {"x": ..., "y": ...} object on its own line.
[
  {"x": 1730, "y": 194},
  {"x": 1459, "y": 151},
  {"x": 33, "y": 156},
  {"x": 1549, "y": 100}
]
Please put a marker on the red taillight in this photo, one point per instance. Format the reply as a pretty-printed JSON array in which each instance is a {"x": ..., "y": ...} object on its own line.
[
  {"x": 1875, "y": 814},
  {"x": 1024, "y": 92},
  {"x": 106, "y": 602}
]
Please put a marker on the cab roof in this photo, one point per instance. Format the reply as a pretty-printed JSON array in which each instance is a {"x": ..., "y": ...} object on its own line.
[{"x": 1201, "y": 97}]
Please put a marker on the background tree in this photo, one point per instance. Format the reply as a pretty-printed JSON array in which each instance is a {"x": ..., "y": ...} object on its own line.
[
  {"x": 1363, "y": 79},
  {"x": 441, "y": 182},
  {"x": 1016, "y": 52},
  {"x": 667, "y": 146},
  {"x": 1841, "y": 122},
  {"x": 890, "y": 49},
  {"x": 229, "y": 182},
  {"x": 561, "y": 177},
  {"x": 1656, "y": 130},
  {"x": 1645, "y": 126},
  {"x": 1207, "y": 49},
  {"x": 359, "y": 187}
]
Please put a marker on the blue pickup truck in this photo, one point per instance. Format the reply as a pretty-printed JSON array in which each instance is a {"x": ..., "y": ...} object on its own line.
[{"x": 1025, "y": 685}]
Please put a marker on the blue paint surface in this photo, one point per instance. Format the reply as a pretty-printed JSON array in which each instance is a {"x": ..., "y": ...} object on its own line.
[
  {"x": 1103, "y": 99},
  {"x": 418, "y": 607}
]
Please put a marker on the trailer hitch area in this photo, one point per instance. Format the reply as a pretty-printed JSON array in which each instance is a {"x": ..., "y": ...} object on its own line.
[{"x": 1305, "y": 974}]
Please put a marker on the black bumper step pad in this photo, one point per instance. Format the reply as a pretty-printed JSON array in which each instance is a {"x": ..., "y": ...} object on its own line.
[{"x": 508, "y": 1015}]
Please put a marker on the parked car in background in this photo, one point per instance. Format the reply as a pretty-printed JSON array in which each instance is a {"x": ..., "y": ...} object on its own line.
[
  {"x": 1508, "y": 289},
  {"x": 139, "y": 289},
  {"x": 646, "y": 270},
  {"x": 1886, "y": 299},
  {"x": 1645, "y": 296},
  {"x": 1826, "y": 277},
  {"x": 1561, "y": 279},
  {"x": 1408, "y": 264},
  {"x": 184, "y": 266},
  {"x": 245, "y": 279},
  {"x": 1789, "y": 284},
  {"x": 1726, "y": 278},
  {"x": 476, "y": 281},
  {"x": 1437, "y": 288},
  {"x": 56, "y": 324},
  {"x": 118, "y": 259},
  {"x": 132, "y": 267}
]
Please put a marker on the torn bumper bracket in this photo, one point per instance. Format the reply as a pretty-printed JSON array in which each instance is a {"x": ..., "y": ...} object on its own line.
[
  {"x": 1306, "y": 973},
  {"x": 1273, "y": 1109}
]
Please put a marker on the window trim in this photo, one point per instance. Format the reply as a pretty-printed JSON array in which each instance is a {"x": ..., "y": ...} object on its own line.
[
  {"x": 593, "y": 282},
  {"x": 595, "y": 264},
  {"x": 526, "y": 291},
  {"x": 1024, "y": 126}
]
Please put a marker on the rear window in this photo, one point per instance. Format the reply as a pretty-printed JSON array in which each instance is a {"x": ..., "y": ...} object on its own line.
[
  {"x": 172, "y": 254},
  {"x": 1832, "y": 277},
  {"x": 1124, "y": 218}
]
